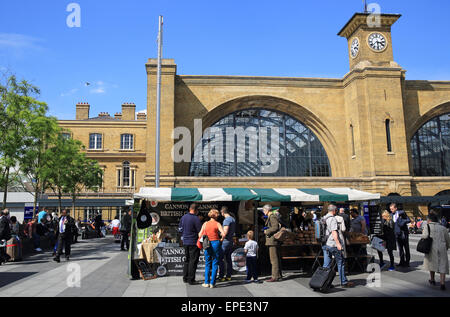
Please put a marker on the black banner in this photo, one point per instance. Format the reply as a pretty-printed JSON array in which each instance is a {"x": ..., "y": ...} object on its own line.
[{"x": 170, "y": 213}]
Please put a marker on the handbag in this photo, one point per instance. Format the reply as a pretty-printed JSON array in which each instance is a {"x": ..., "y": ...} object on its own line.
[
  {"x": 281, "y": 235},
  {"x": 424, "y": 245},
  {"x": 378, "y": 244},
  {"x": 206, "y": 243}
]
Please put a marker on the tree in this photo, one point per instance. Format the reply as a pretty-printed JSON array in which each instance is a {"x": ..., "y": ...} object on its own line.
[
  {"x": 42, "y": 135},
  {"x": 17, "y": 107},
  {"x": 82, "y": 175},
  {"x": 71, "y": 171},
  {"x": 59, "y": 158}
]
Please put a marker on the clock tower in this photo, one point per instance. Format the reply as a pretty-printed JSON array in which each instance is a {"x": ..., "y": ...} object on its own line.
[
  {"x": 369, "y": 39},
  {"x": 373, "y": 94}
]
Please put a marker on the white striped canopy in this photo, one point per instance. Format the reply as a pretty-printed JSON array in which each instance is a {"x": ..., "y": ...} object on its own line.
[{"x": 261, "y": 194}]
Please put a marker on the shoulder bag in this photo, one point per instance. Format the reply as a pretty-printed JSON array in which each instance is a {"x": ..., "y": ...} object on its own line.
[{"x": 424, "y": 245}]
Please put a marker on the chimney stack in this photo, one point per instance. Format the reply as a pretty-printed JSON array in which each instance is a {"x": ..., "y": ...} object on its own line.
[
  {"x": 141, "y": 116},
  {"x": 103, "y": 114},
  {"x": 118, "y": 115},
  {"x": 82, "y": 111},
  {"x": 128, "y": 111}
]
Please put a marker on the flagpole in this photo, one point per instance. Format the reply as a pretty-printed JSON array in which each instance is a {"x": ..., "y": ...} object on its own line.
[{"x": 158, "y": 102}]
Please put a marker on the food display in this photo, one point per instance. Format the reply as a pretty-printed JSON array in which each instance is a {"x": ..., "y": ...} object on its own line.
[
  {"x": 357, "y": 238},
  {"x": 301, "y": 238}
]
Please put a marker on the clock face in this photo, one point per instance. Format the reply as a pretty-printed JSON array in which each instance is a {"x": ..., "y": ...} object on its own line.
[
  {"x": 354, "y": 48},
  {"x": 377, "y": 42}
]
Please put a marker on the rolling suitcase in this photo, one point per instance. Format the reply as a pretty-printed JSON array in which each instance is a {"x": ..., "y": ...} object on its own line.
[
  {"x": 13, "y": 249},
  {"x": 323, "y": 277}
]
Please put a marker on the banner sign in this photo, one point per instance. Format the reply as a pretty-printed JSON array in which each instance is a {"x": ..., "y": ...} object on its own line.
[
  {"x": 28, "y": 211},
  {"x": 170, "y": 213}
]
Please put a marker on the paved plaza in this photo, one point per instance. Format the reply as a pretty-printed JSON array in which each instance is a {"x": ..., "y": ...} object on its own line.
[{"x": 103, "y": 270}]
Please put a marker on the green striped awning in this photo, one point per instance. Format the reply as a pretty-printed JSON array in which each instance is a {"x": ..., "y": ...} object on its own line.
[{"x": 261, "y": 194}]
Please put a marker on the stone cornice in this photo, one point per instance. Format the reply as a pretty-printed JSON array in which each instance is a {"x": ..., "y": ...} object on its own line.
[
  {"x": 390, "y": 72},
  {"x": 360, "y": 19},
  {"x": 427, "y": 85},
  {"x": 211, "y": 80},
  {"x": 102, "y": 124}
]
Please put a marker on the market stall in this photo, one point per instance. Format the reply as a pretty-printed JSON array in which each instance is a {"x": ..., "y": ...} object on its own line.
[{"x": 156, "y": 246}]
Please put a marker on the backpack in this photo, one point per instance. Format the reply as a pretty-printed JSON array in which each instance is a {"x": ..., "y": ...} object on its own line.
[{"x": 321, "y": 230}]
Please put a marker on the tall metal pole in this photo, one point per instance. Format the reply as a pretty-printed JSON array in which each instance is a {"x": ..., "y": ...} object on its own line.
[{"x": 158, "y": 101}]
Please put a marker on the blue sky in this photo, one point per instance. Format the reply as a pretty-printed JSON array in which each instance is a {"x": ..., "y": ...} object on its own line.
[{"x": 247, "y": 37}]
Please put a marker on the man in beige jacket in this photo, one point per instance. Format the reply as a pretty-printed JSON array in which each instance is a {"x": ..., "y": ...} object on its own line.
[{"x": 273, "y": 227}]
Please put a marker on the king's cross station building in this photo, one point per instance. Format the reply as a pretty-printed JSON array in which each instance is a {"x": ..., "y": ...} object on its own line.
[{"x": 371, "y": 130}]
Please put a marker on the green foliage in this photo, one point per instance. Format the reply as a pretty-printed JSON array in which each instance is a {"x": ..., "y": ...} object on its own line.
[
  {"x": 71, "y": 171},
  {"x": 18, "y": 108}
]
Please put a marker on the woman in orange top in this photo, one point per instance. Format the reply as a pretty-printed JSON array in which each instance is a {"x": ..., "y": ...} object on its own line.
[{"x": 212, "y": 254}]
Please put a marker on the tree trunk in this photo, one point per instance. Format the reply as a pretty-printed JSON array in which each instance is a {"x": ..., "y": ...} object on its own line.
[
  {"x": 35, "y": 200},
  {"x": 74, "y": 197},
  {"x": 5, "y": 194},
  {"x": 59, "y": 202}
]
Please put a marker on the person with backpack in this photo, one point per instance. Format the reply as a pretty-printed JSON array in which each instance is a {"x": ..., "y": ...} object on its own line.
[{"x": 333, "y": 245}]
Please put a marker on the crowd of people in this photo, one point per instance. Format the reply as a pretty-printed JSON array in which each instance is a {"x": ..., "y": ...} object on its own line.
[
  {"x": 59, "y": 231},
  {"x": 217, "y": 239},
  {"x": 338, "y": 223}
]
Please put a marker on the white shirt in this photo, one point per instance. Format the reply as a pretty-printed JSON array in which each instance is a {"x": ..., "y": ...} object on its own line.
[
  {"x": 395, "y": 216},
  {"x": 115, "y": 223},
  {"x": 252, "y": 248}
]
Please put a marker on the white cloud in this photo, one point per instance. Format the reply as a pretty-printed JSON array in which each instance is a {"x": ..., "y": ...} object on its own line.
[
  {"x": 19, "y": 41},
  {"x": 69, "y": 93},
  {"x": 100, "y": 90}
]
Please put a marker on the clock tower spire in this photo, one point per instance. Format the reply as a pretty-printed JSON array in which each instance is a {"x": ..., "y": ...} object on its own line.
[{"x": 369, "y": 39}]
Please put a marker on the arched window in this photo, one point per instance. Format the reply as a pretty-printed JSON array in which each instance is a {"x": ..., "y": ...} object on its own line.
[
  {"x": 241, "y": 143},
  {"x": 430, "y": 148}
]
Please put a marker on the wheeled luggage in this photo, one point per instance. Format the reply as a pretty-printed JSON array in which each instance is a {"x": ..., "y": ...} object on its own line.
[
  {"x": 14, "y": 249},
  {"x": 323, "y": 277}
]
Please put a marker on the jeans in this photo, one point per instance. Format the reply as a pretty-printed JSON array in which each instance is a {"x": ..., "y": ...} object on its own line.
[
  {"x": 36, "y": 240},
  {"x": 329, "y": 252},
  {"x": 252, "y": 268},
  {"x": 227, "y": 249},
  {"x": 212, "y": 256},
  {"x": 192, "y": 254}
]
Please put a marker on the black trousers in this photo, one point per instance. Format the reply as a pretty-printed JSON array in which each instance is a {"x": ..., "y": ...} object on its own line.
[
  {"x": 403, "y": 249},
  {"x": 125, "y": 240},
  {"x": 252, "y": 267},
  {"x": 192, "y": 254},
  {"x": 391, "y": 256},
  {"x": 65, "y": 240}
]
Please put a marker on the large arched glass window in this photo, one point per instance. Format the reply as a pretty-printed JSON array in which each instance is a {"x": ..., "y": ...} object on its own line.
[
  {"x": 240, "y": 143},
  {"x": 430, "y": 148}
]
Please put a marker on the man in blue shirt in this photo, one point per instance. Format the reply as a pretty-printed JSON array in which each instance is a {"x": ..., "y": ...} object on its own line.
[
  {"x": 42, "y": 215},
  {"x": 189, "y": 227},
  {"x": 229, "y": 226}
]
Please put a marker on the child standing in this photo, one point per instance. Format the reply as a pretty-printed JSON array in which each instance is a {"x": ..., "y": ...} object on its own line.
[{"x": 251, "y": 250}]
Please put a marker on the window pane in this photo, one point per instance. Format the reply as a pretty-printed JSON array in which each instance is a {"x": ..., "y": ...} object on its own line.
[
  {"x": 126, "y": 142},
  {"x": 430, "y": 148},
  {"x": 296, "y": 152}
]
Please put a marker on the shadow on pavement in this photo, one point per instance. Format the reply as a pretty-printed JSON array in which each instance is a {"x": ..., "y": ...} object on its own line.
[{"x": 11, "y": 277}]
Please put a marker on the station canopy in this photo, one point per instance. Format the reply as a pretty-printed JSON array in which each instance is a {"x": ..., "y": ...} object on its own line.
[{"x": 260, "y": 194}]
